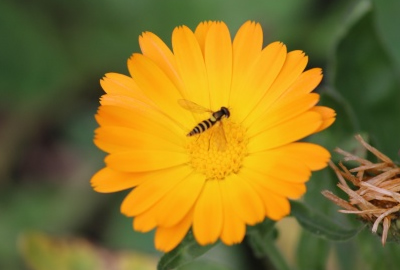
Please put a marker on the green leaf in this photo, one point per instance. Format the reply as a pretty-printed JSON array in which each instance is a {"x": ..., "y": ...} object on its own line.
[
  {"x": 366, "y": 79},
  {"x": 320, "y": 224},
  {"x": 222, "y": 257},
  {"x": 309, "y": 244},
  {"x": 387, "y": 21},
  {"x": 201, "y": 265},
  {"x": 186, "y": 252},
  {"x": 345, "y": 255},
  {"x": 373, "y": 255}
]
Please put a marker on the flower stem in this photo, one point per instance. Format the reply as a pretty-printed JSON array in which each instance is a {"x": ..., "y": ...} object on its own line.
[{"x": 263, "y": 245}]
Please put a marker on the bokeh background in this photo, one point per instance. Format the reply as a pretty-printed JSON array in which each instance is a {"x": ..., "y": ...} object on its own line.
[{"x": 52, "y": 56}]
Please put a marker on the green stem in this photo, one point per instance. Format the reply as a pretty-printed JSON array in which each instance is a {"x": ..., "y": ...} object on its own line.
[
  {"x": 263, "y": 245},
  {"x": 276, "y": 258}
]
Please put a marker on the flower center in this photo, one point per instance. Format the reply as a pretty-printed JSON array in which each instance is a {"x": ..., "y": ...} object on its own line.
[{"x": 218, "y": 151}]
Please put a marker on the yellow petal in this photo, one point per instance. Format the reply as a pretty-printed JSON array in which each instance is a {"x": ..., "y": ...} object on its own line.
[
  {"x": 268, "y": 184},
  {"x": 305, "y": 83},
  {"x": 247, "y": 44},
  {"x": 287, "y": 132},
  {"x": 261, "y": 76},
  {"x": 108, "y": 115},
  {"x": 146, "y": 221},
  {"x": 218, "y": 60},
  {"x": 207, "y": 217},
  {"x": 201, "y": 33},
  {"x": 315, "y": 157},
  {"x": 233, "y": 228},
  {"x": 177, "y": 203},
  {"x": 155, "y": 49},
  {"x": 294, "y": 64},
  {"x": 145, "y": 160},
  {"x": 244, "y": 199},
  {"x": 118, "y": 84},
  {"x": 167, "y": 239},
  {"x": 157, "y": 86},
  {"x": 108, "y": 180},
  {"x": 283, "y": 111},
  {"x": 328, "y": 117},
  {"x": 119, "y": 139},
  {"x": 153, "y": 190},
  {"x": 277, "y": 206},
  {"x": 246, "y": 50},
  {"x": 125, "y": 111},
  {"x": 274, "y": 164},
  {"x": 191, "y": 67}
]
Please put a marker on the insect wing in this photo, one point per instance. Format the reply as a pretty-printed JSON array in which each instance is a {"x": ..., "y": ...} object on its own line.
[
  {"x": 193, "y": 107},
  {"x": 218, "y": 137}
]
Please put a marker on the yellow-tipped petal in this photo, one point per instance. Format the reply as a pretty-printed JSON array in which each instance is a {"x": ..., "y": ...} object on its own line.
[{"x": 208, "y": 213}]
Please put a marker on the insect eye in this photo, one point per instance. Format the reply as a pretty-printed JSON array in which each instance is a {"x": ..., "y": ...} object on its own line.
[{"x": 226, "y": 112}]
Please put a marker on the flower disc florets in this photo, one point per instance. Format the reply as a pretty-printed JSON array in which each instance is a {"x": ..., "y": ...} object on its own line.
[{"x": 218, "y": 155}]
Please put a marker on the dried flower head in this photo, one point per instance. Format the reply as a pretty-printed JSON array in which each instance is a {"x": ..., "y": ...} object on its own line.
[{"x": 375, "y": 193}]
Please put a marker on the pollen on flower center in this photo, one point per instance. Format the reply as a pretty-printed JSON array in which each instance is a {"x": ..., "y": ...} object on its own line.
[{"x": 216, "y": 154}]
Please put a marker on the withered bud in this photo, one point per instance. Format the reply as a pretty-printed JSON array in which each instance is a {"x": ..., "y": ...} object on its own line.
[{"x": 374, "y": 193}]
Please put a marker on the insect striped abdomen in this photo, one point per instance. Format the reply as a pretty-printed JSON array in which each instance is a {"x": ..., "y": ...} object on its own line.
[
  {"x": 205, "y": 124},
  {"x": 202, "y": 126}
]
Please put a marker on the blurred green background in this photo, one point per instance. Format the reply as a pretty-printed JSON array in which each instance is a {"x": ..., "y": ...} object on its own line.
[{"x": 53, "y": 54}]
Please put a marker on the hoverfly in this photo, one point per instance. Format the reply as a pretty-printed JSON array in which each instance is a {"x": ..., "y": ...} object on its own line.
[{"x": 217, "y": 116}]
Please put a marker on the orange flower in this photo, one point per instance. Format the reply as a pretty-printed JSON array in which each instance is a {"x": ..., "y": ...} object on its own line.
[{"x": 233, "y": 171}]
